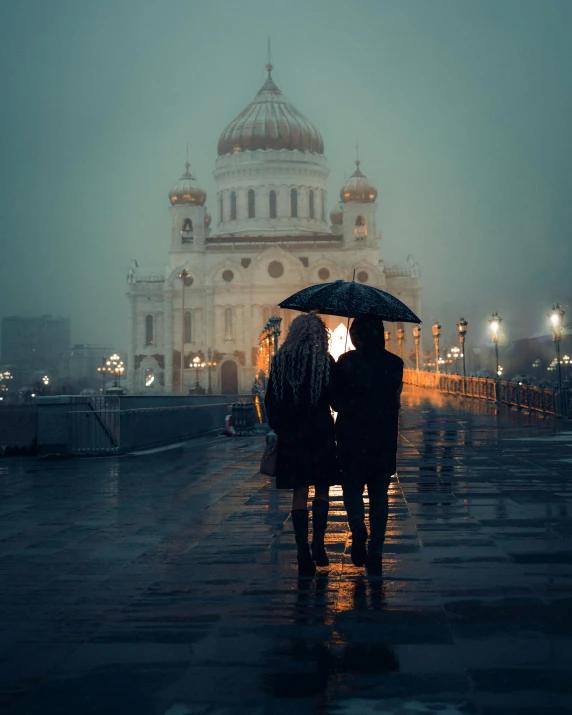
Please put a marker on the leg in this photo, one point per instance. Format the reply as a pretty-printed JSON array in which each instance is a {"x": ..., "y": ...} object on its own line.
[
  {"x": 306, "y": 564},
  {"x": 353, "y": 502},
  {"x": 378, "y": 512},
  {"x": 320, "y": 507}
]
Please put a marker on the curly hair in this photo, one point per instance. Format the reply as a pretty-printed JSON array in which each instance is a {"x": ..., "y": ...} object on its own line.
[{"x": 303, "y": 358}]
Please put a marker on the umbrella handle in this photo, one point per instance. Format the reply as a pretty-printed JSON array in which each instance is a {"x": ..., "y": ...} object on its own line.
[{"x": 348, "y": 328}]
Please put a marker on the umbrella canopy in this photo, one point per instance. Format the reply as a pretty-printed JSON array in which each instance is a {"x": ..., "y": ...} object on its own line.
[{"x": 350, "y": 299}]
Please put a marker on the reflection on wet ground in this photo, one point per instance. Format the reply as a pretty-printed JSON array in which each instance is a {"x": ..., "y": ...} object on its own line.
[{"x": 166, "y": 584}]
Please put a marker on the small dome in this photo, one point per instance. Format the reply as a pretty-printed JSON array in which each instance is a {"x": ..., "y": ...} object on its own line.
[
  {"x": 186, "y": 191},
  {"x": 336, "y": 215},
  {"x": 270, "y": 122},
  {"x": 358, "y": 188},
  {"x": 208, "y": 219}
]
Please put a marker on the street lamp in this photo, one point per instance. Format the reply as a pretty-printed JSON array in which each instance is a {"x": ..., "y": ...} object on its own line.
[
  {"x": 462, "y": 329},
  {"x": 210, "y": 365},
  {"x": 274, "y": 329},
  {"x": 387, "y": 336},
  {"x": 114, "y": 365},
  {"x": 436, "y": 330},
  {"x": 416, "y": 336},
  {"x": 556, "y": 316},
  {"x": 494, "y": 324},
  {"x": 400, "y": 336},
  {"x": 197, "y": 365},
  {"x": 46, "y": 380}
]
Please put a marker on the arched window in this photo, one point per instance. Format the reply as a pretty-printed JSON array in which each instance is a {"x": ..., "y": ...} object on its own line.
[
  {"x": 220, "y": 209},
  {"x": 187, "y": 231},
  {"x": 294, "y": 203},
  {"x": 251, "y": 204},
  {"x": 228, "y": 324},
  {"x": 188, "y": 327},
  {"x": 311, "y": 204},
  {"x": 149, "y": 330},
  {"x": 272, "y": 200},
  {"x": 360, "y": 230},
  {"x": 233, "y": 206}
]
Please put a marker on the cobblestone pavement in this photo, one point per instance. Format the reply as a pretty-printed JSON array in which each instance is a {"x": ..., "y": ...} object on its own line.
[{"x": 166, "y": 584}]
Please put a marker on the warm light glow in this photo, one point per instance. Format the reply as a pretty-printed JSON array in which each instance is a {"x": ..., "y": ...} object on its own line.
[
  {"x": 338, "y": 341},
  {"x": 494, "y": 327}
]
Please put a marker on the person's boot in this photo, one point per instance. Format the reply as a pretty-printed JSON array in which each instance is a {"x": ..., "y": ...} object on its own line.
[
  {"x": 378, "y": 512},
  {"x": 359, "y": 541},
  {"x": 319, "y": 523},
  {"x": 306, "y": 565}
]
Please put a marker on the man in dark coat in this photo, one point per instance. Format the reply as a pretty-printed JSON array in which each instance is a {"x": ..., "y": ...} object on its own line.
[{"x": 366, "y": 391}]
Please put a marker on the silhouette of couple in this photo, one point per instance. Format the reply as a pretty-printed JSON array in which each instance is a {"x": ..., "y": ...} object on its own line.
[{"x": 363, "y": 387}]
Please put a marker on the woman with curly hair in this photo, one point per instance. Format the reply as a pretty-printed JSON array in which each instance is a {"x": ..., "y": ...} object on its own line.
[{"x": 298, "y": 407}]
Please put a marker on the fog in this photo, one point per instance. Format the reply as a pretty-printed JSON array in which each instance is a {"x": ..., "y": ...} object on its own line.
[{"x": 462, "y": 111}]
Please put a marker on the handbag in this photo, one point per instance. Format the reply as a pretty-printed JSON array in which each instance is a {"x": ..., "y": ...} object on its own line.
[{"x": 268, "y": 461}]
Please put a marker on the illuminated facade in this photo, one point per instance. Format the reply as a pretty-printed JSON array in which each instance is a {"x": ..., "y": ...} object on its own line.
[{"x": 270, "y": 235}]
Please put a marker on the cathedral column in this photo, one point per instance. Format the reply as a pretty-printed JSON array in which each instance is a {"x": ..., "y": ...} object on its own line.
[
  {"x": 168, "y": 342},
  {"x": 132, "y": 341}
]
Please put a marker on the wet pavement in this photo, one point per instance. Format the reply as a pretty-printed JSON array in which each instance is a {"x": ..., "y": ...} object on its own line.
[{"x": 166, "y": 584}]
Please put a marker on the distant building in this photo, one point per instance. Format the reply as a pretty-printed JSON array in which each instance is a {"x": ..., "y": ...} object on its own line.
[
  {"x": 273, "y": 236},
  {"x": 80, "y": 362},
  {"x": 35, "y": 343}
]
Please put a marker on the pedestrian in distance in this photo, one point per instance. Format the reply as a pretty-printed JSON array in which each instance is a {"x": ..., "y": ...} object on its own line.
[
  {"x": 365, "y": 392},
  {"x": 297, "y": 404}
]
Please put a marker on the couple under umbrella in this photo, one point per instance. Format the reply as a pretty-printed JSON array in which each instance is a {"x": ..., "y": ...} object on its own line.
[{"x": 363, "y": 387}]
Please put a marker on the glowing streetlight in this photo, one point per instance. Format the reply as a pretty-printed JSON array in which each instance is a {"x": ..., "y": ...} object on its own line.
[
  {"x": 462, "y": 330},
  {"x": 436, "y": 330},
  {"x": 416, "y": 336},
  {"x": 400, "y": 336},
  {"x": 210, "y": 364},
  {"x": 46, "y": 380},
  {"x": 556, "y": 316},
  {"x": 494, "y": 325},
  {"x": 197, "y": 365}
]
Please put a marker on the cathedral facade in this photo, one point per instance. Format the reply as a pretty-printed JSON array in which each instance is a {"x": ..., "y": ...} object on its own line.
[{"x": 199, "y": 320}]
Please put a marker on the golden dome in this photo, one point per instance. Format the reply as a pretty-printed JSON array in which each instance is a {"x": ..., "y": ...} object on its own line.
[
  {"x": 358, "y": 188},
  {"x": 270, "y": 122},
  {"x": 186, "y": 190},
  {"x": 336, "y": 215}
]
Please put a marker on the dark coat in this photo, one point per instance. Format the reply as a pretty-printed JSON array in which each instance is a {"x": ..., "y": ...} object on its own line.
[
  {"x": 365, "y": 392},
  {"x": 306, "y": 452}
]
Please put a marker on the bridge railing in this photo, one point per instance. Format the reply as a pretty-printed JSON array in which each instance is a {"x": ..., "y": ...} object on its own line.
[{"x": 529, "y": 397}]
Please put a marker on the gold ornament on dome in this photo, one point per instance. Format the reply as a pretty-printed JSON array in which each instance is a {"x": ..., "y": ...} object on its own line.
[
  {"x": 186, "y": 191},
  {"x": 358, "y": 188}
]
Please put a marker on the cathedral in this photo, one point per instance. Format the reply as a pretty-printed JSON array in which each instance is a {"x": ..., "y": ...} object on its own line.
[{"x": 198, "y": 321}]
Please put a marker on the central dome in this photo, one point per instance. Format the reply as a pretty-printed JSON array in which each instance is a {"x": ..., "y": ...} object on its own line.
[{"x": 270, "y": 122}]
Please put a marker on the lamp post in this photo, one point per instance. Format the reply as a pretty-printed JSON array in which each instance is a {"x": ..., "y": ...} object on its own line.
[
  {"x": 494, "y": 324},
  {"x": 102, "y": 370},
  {"x": 400, "y": 336},
  {"x": 556, "y": 316},
  {"x": 462, "y": 330},
  {"x": 416, "y": 336},
  {"x": 186, "y": 280},
  {"x": 436, "y": 330},
  {"x": 274, "y": 324},
  {"x": 210, "y": 365},
  {"x": 114, "y": 365},
  {"x": 197, "y": 365},
  {"x": 387, "y": 336}
]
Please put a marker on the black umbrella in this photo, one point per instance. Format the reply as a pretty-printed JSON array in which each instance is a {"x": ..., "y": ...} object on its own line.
[{"x": 350, "y": 299}]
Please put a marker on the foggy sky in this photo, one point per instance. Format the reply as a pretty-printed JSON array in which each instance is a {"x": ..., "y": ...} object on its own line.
[{"x": 462, "y": 111}]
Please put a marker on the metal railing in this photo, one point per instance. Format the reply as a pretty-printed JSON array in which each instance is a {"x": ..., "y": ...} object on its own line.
[
  {"x": 527, "y": 397},
  {"x": 98, "y": 426}
]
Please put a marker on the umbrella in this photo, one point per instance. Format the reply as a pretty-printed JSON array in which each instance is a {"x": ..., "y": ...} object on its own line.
[{"x": 350, "y": 299}]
